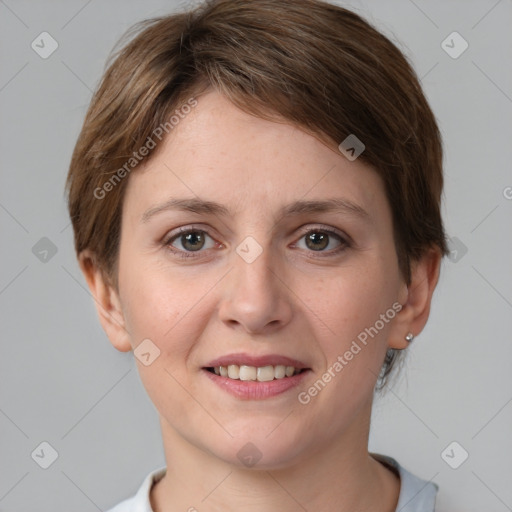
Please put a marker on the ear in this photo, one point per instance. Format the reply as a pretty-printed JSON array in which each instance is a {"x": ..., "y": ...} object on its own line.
[
  {"x": 416, "y": 298},
  {"x": 107, "y": 302}
]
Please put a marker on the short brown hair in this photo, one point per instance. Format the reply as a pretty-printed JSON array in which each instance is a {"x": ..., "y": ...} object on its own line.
[{"x": 307, "y": 62}]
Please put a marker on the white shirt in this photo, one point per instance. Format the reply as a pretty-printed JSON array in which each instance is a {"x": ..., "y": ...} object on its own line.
[{"x": 416, "y": 495}]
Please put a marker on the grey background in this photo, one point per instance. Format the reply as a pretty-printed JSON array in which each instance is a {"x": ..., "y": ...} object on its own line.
[{"x": 61, "y": 380}]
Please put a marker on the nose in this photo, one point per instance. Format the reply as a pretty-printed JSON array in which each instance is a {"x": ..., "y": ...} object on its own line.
[{"x": 255, "y": 296}]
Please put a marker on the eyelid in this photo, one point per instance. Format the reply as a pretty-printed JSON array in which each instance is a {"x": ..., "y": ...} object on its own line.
[
  {"x": 185, "y": 229},
  {"x": 329, "y": 229}
]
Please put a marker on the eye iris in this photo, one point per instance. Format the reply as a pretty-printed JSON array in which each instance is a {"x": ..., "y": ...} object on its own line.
[
  {"x": 190, "y": 239},
  {"x": 316, "y": 238}
]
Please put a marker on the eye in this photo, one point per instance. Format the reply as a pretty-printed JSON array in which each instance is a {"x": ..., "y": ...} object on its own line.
[
  {"x": 320, "y": 239},
  {"x": 190, "y": 240}
]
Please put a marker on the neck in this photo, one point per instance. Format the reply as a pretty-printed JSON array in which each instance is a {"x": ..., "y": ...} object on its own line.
[{"x": 340, "y": 476}]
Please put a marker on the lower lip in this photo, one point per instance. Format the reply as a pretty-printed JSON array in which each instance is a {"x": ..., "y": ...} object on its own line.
[{"x": 255, "y": 390}]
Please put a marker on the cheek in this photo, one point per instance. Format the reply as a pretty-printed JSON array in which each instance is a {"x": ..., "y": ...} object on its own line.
[
  {"x": 351, "y": 303},
  {"x": 354, "y": 344},
  {"x": 163, "y": 305},
  {"x": 153, "y": 310}
]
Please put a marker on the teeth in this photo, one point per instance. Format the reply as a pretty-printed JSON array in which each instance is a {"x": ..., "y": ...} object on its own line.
[
  {"x": 261, "y": 374},
  {"x": 265, "y": 373},
  {"x": 280, "y": 371},
  {"x": 247, "y": 372},
  {"x": 234, "y": 371}
]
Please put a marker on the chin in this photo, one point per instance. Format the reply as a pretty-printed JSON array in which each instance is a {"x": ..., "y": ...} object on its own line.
[{"x": 258, "y": 452}]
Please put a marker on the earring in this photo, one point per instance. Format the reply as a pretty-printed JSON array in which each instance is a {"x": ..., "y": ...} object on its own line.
[{"x": 409, "y": 337}]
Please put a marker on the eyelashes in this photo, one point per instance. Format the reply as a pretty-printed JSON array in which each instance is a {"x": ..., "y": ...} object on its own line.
[{"x": 319, "y": 236}]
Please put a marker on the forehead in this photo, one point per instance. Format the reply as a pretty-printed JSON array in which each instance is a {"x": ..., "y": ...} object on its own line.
[{"x": 218, "y": 152}]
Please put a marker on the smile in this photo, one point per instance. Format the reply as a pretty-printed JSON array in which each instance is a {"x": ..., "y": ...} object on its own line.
[{"x": 260, "y": 373}]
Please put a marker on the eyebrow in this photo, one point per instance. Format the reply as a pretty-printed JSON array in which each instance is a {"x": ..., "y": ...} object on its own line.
[{"x": 194, "y": 205}]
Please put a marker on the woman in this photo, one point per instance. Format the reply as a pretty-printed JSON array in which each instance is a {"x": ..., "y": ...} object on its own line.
[{"x": 255, "y": 197}]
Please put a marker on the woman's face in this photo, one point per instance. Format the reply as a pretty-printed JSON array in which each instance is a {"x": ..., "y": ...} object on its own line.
[{"x": 254, "y": 279}]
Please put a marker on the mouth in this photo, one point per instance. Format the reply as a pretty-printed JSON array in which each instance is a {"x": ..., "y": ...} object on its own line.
[
  {"x": 253, "y": 378},
  {"x": 247, "y": 367}
]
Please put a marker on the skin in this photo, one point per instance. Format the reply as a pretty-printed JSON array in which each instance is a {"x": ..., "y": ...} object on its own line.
[{"x": 292, "y": 300}]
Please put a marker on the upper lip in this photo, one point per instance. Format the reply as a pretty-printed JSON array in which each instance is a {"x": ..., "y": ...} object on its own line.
[{"x": 246, "y": 359}]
